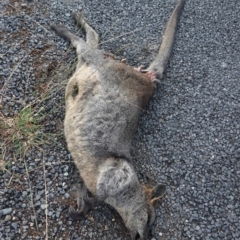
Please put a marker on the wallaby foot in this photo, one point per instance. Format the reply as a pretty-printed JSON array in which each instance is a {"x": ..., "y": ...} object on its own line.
[
  {"x": 78, "y": 43},
  {"x": 91, "y": 36},
  {"x": 63, "y": 32},
  {"x": 85, "y": 202}
]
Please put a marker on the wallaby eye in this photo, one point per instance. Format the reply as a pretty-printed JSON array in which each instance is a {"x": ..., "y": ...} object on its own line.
[{"x": 75, "y": 90}]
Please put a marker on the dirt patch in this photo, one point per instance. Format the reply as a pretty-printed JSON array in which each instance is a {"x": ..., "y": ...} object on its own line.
[
  {"x": 15, "y": 6},
  {"x": 44, "y": 68}
]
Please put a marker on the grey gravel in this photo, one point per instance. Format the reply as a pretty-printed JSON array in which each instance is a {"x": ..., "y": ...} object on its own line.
[{"x": 188, "y": 138}]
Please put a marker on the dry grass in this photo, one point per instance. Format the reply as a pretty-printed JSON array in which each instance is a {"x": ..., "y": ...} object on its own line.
[{"x": 21, "y": 131}]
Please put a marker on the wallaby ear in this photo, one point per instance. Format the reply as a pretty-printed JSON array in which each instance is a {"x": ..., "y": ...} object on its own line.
[{"x": 157, "y": 192}]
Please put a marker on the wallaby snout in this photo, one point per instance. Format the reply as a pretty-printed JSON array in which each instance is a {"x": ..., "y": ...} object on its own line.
[{"x": 104, "y": 99}]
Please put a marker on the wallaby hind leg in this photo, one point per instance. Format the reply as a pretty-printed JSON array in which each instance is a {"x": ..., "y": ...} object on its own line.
[
  {"x": 91, "y": 36},
  {"x": 77, "y": 42}
]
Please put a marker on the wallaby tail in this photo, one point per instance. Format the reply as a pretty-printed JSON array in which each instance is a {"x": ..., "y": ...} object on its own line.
[{"x": 159, "y": 63}]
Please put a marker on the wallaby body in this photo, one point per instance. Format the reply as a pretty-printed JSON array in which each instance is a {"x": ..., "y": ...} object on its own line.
[{"x": 104, "y": 99}]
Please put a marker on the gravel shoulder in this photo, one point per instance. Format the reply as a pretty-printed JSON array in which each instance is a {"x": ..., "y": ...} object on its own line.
[{"x": 188, "y": 137}]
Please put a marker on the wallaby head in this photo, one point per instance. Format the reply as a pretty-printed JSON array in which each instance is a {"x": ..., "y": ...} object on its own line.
[
  {"x": 139, "y": 214},
  {"x": 118, "y": 186},
  {"x": 104, "y": 99}
]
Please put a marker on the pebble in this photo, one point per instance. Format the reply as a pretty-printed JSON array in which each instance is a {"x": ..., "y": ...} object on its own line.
[
  {"x": 7, "y": 218},
  {"x": 14, "y": 225},
  {"x": 44, "y": 206},
  {"x": 6, "y": 211}
]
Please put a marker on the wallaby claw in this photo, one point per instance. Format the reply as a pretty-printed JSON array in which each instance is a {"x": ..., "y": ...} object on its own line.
[{"x": 150, "y": 74}]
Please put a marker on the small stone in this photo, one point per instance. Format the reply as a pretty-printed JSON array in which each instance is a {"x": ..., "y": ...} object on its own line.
[
  {"x": 6, "y": 211},
  {"x": 50, "y": 213},
  {"x": 14, "y": 225},
  {"x": 7, "y": 218},
  {"x": 24, "y": 193},
  {"x": 66, "y": 195},
  {"x": 24, "y": 223},
  {"x": 15, "y": 218},
  {"x": 37, "y": 197},
  {"x": 44, "y": 206}
]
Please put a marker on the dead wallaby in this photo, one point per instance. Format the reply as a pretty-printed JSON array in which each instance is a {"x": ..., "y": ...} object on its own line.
[{"x": 104, "y": 98}]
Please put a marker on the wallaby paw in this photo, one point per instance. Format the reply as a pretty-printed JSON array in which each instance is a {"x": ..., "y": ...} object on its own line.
[
  {"x": 150, "y": 74},
  {"x": 75, "y": 214}
]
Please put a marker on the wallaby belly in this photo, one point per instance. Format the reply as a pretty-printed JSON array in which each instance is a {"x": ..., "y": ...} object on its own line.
[{"x": 103, "y": 108}]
